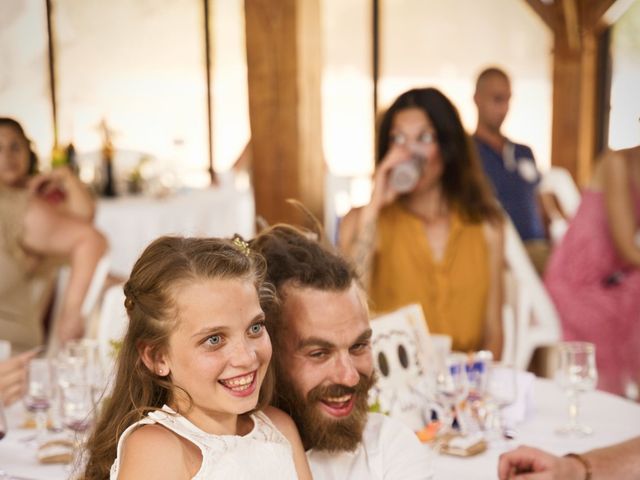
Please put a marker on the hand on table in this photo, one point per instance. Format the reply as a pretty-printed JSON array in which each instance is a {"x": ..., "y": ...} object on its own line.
[{"x": 528, "y": 463}]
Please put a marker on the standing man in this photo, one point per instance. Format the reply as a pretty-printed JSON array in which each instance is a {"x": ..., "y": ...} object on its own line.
[
  {"x": 324, "y": 368},
  {"x": 510, "y": 166}
]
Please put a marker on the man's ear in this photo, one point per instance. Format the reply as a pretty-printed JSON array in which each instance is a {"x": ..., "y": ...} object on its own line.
[{"x": 155, "y": 360}]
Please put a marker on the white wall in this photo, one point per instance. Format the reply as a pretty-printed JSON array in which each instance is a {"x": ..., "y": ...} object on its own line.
[
  {"x": 624, "y": 126},
  {"x": 447, "y": 43},
  {"x": 24, "y": 80}
]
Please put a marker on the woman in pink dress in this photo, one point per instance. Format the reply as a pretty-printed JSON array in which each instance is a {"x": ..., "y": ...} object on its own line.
[{"x": 594, "y": 274}]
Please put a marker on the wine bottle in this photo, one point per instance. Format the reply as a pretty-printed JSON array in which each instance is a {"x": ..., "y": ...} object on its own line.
[{"x": 108, "y": 187}]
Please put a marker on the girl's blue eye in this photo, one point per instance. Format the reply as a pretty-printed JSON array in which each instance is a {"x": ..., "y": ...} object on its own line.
[
  {"x": 214, "y": 340},
  {"x": 256, "y": 328}
]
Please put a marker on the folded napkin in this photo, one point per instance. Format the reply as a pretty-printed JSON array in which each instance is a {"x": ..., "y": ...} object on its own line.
[
  {"x": 522, "y": 408},
  {"x": 56, "y": 451}
]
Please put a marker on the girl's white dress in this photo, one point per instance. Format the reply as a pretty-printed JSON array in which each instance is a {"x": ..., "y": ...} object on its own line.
[{"x": 263, "y": 453}]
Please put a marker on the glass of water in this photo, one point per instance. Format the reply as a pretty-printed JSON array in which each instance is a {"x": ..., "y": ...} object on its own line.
[
  {"x": 39, "y": 394},
  {"x": 576, "y": 373}
]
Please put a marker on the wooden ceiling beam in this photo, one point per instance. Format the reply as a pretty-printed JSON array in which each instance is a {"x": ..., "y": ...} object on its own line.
[
  {"x": 576, "y": 26},
  {"x": 546, "y": 12},
  {"x": 594, "y": 11},
  {"x": 571, "y": 24}
]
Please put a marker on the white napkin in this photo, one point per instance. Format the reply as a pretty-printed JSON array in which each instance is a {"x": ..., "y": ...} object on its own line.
[{"x": 522, "y": 408}]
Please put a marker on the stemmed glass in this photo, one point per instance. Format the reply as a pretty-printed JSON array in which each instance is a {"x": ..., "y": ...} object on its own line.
[
  {"x": 78, "y": 379},
  {"x": 502, "y": 389},
  {"x": 576, "y": 373},
  {"x": 39, "y": 394},
  {"x": 451, "y": 387},
  {"x": 3, "y": 421}
]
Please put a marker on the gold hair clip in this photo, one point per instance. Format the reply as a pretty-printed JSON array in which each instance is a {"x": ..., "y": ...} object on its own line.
[
  {"x": 241, "y": 245},
  {"x": 128, "y": 304}
]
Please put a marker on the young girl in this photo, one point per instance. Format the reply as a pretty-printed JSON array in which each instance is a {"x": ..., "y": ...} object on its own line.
[{"x": 193, "y": 378}]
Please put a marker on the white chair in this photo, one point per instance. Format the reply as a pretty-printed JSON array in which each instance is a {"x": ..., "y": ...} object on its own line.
[
  {"x": 558, "y": 182},
  {"x": 93, "y": 292},
  {"x": 112, "y": 323},
  {"x": 530, "y": 319},
  {"x": 341, "y": 193}
]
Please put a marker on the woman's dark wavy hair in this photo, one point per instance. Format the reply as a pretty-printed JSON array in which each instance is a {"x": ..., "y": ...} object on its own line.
[
  {"x": 33, "y": 158},
  {"x": 463, "y": 181}
]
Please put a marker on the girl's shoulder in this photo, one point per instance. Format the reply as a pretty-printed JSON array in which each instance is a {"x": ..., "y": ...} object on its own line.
[
  {"x": 153, "y": 450},
  {"x": 280, "y": 420}
]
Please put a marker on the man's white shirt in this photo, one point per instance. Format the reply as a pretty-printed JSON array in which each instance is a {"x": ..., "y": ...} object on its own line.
[{"x": 389, "y": 451}]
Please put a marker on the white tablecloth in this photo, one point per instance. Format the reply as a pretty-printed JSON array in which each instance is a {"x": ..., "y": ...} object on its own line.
[
  {"x": 130, "y": 223},
  {"x": 612, "y": 418}
]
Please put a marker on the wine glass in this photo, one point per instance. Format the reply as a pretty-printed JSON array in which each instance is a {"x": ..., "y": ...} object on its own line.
[
  {"x": 3, "y": 421},
  {"x": 79, "y": 362},
  {"x": 576, "y": 373},
  {"x": 77, "y": 407},
  {"x": 39, "y": 394},
  {"x": 502, "y": 390},
  {"x": 451, "y": 387}
]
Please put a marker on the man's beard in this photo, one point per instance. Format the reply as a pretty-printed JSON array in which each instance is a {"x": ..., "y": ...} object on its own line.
[{"x": 317, "y": 429}]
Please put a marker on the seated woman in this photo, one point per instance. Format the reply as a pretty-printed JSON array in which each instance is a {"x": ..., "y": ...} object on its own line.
[
  {"x": 38, "y": 231},
  {"x": 441, "y": 243},
  {"x": 593, "y": 275},
  {"x": 193, "y": 379}
]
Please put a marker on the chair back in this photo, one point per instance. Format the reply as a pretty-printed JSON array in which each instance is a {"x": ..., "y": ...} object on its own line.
[
  {"x": 112, "y": 324},
  {"x": 558, "y": 182},
  {"x": 93, "y": 292},
  {"x": 341, "y": 194},
  {"x": 529, "y": 315}
]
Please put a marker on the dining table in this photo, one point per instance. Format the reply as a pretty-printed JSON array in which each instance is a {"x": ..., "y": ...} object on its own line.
[
  {"x": 131, "y": 222},
  {"x": 613, "y": 419}
]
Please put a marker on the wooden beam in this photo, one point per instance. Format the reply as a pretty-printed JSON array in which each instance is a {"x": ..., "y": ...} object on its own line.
[
  {"x": 546, "y": 12},
  {"x": 575, "y": 81},
  {"x": 284, "y": 67},
  {"x": 208, "y": 66},
  {"x": 595, "y": 11},
  {"x": 572, "y": 27},
  {"x": 52, "y": 73}
]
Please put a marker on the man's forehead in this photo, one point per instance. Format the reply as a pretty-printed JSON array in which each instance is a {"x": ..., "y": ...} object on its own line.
[
  {"x": 493, "y": 83},
  {"x": 320, "y": 313}
]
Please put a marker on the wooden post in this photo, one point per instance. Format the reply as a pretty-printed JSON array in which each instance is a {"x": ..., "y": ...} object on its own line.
[
  {"x": 577, "y": 26},
  {"x": 284, "y": 67},
  {"x": 207, "y": 66}
]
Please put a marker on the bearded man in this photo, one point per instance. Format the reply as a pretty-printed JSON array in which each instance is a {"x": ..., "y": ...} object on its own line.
[{"x": 324, "y": 368}]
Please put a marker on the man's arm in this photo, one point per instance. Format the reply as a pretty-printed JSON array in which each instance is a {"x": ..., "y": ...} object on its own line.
[{"x": 620, "y": 461}]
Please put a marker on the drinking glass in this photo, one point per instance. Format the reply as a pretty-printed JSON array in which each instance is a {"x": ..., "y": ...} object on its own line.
[
  {"x": 39, "y": 394},
  {"x": 502, "y": 390},
  {"x": 79, "y": 363},
  {"x": 3, "y": 421},
  {"x": 451, "y": 387},
  {"x": 77, "y": 408},
  {"x": 576, "y": 373}
]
